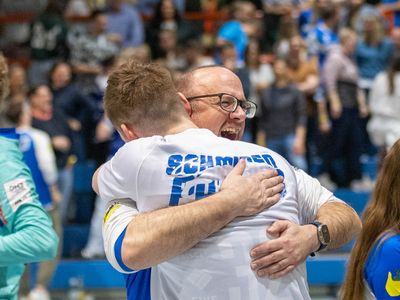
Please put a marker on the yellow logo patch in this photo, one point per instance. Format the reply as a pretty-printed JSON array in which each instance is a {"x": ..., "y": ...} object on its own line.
[
  {"x": 392, "y": 286},
  {"x": 110, "y": 211}
]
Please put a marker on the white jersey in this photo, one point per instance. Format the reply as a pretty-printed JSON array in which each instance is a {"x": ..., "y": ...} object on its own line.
[{"x": 160, "y": 171}]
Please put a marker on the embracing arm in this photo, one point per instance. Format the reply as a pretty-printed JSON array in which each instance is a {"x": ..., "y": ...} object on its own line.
[
  {"x": 295, "y": 242},
  {"x": 157, "y": 236},
  {"x": 342, "y": 221}
]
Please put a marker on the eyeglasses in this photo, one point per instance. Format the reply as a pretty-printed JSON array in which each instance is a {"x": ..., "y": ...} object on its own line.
[{"x": 230, "y": 103}]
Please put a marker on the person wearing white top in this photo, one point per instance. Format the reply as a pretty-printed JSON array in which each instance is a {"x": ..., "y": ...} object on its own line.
[{"x": 129, "y": 133}]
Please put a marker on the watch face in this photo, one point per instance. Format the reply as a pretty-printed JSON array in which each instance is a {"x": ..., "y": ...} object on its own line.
[{"x": 325, "y": 236}]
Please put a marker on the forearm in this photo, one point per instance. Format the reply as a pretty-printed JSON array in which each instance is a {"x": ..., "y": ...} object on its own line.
[
  {"x": 301, "y": 133},
  {"x": 342, "y": 221},
  {"x": 158, "y": 236}
]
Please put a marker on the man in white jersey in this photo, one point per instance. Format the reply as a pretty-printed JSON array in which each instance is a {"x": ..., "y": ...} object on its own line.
[
  {"x": 128, "y": 218},
  {"x": 184, "y": 164},
  {"x": 146, "y": 241}
]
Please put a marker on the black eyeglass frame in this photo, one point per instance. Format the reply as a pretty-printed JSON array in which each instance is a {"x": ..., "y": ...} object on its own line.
[{"x": 240, "y": 103}]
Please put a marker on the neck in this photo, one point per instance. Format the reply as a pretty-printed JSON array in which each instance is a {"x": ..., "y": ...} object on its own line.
[{"x": 180, "y": 126}]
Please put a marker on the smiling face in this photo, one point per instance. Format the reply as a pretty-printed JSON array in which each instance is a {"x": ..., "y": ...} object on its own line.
[{"x": 206, "y": 111}]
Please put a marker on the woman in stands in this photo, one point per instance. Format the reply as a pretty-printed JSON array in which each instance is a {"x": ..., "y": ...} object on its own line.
[{"x": 374, "y": 266}]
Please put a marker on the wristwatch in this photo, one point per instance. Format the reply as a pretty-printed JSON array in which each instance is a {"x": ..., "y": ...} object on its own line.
[{"x": 323, "y": 235}]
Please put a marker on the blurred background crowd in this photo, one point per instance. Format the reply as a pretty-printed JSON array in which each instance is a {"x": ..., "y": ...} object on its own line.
[{"x": 325, "y": 75}]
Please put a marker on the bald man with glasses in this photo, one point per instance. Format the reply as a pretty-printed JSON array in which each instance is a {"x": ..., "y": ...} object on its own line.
[{"x": 147, "y": 241}]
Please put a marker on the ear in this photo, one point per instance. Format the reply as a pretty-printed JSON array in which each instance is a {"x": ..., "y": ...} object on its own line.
[
  {"x": 185, "y": 103},
  {"x": 128, "y": 133}
]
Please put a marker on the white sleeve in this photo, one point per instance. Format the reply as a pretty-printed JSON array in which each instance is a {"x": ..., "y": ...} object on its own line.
[
  {"x": 45, "y": 155},
  {"x": 118, "y": 215},
  {"x": 312, "y": 195},
  {"x": 117, "y": 178}
]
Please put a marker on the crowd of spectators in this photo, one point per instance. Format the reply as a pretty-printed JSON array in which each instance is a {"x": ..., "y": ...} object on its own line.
[{"x": 324, "y": 73}]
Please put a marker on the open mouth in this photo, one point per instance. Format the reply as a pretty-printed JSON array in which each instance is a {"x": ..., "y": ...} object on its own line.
[{"x": 230, "y": 133}]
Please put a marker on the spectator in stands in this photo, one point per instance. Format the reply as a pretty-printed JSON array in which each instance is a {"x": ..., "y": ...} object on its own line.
[
  {"x": 17, "y": 33},
  {"x": 47, "y": 42},
  {"x": 55, "y": 123},
  {"x": 374, "y": 266},
  {"x": 396, "y": 40},
  {"x": 170, "y": 53},
  {"x": 354, "y": 12},
  {"x": 228, "y": 57},
  {"x": 303, "y": 72},
  {"x": 319, "y": 41},
  {"x": 310, "y": 15},
  {"x": 323, "y": 36},
  {"x": 77, "y": 107},
  {"x": 384, "y": 125},
  {"x": 26, "y": 231},
  {"x": 287, "y": 29},
  {"x": 373, "y": 52},
  {"x": 194, "y": 55},
  {"x": 125, "y": 22},
  {"x": 261, "y": 76},
  {"x": 347, "y": 104},
  {"x": 90, "y": 48},
  {"x": 274, "y": 12},
  {"x": 238, "y": 28},
  {"x": 38, "y": 154},
  {"x": 18, "y": 83},
  {"x": 167, "y": 17},
  {"x": 283, "y": 101}
]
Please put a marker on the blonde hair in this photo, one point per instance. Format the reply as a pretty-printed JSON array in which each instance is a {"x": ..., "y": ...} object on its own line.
[
  {"x": 142, "y": 95},
  {"x": 381, "y": 216}
]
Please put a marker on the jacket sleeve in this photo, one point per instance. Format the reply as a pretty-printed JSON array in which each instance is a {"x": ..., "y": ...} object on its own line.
[
  {"x": 26, "y": 231},
  {"x": 32, "y": 239}
]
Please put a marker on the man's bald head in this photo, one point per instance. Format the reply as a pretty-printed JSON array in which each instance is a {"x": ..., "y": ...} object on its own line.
[
  {"x": 204, "y": 80},
  {"x": 4, "y": 84}
]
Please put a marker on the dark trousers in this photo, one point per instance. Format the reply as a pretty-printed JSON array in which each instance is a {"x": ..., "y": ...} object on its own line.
[{"x": 342, "y": 159}]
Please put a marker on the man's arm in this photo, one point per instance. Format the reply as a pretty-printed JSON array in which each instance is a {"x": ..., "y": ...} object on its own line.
[
  {"x": 294, "y": 242},
  {"x": 157, "y": 236}
]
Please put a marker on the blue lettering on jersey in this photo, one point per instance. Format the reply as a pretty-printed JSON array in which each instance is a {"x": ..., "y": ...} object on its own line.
[{"x": 186, "y": 168}]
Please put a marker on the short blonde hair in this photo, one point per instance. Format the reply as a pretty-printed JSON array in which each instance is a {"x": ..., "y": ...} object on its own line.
[{"x": 142, "y": 95}]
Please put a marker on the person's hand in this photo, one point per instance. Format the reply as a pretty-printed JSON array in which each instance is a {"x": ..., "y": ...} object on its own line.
[
  {"x": 278, "y": 257},
  {"x": 336, "y": 109},
  {"x": 299, "y": 148},
  {"x": 55, "y": 194},
  {"x": 363, "y": 109},
  {"x": 324, "y": 126},
  {"x": 254, "y": 193},
  {"x": 74, "y": 124},
  {"x": 61, "y": 143}
]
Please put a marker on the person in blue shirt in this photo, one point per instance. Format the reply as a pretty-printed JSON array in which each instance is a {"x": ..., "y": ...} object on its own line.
[{"x": 374, "y": 266}]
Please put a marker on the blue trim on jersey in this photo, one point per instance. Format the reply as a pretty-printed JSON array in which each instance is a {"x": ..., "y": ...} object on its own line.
[
  {"x": 138, "y": 285},
  {"x": 9, "y": 133},
  {"x": 27, "y": 147},
  {"x": 117, "y": 252}
]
